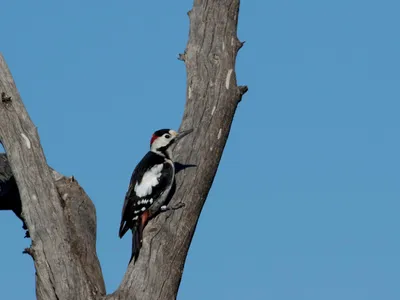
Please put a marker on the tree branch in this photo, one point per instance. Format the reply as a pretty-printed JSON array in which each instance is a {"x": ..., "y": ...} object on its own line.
[
  {"x": 60, "y": 216},
  {"x": 212, "y": 98},
  {"x": 60, "y": 253}
]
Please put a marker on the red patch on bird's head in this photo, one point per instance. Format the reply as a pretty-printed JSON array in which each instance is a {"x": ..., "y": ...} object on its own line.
[
  {"x": 158, "y": 134},
  {"x": 153, "y": 138}
]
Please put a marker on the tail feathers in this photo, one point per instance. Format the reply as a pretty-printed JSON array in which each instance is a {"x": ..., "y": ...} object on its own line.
[
  {"x": 136, "y": 243},
  {"x": 137, "y": 235},
  {"x": 123, "y": 228}
]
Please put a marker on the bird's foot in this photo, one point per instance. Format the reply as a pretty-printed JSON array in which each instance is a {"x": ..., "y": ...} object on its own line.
[{"x": 174, "y": 207}]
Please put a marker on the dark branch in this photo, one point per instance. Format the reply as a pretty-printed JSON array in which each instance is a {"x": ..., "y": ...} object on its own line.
[
  {"x": 9, "y": 194},
  {"x": 29, "y": 251}
]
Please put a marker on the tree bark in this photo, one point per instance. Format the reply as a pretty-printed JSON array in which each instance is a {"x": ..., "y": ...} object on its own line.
[
  {"x": 63, "y": 268},
  {"x": 61, "y": 218}
]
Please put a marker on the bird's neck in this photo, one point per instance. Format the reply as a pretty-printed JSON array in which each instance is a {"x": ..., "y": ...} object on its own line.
[{"x": 165, "y": 152}]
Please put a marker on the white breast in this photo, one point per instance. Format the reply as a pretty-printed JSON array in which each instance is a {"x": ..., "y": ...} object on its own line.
[{"x": 150, "y": 179}]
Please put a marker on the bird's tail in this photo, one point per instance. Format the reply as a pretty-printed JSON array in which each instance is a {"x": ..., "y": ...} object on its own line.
[
  {"x": 137, "y": 235},
  {"x": 136, "y": 242}
]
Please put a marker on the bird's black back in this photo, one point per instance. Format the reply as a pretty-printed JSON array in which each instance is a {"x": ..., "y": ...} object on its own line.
[{"x": 131, "y": 199}]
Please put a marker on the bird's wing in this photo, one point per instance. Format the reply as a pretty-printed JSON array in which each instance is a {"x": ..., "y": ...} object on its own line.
[{"x": 146, "y": 186}]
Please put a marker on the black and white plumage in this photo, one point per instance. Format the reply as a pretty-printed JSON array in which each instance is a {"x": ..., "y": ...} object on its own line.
[{"x": 150, "y": 186}]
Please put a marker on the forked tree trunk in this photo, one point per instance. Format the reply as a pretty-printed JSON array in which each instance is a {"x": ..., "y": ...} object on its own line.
[{"x": 61, "y": 218}]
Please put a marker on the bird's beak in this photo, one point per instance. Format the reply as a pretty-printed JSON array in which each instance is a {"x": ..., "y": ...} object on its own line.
[{"x": 182, "y": 134}]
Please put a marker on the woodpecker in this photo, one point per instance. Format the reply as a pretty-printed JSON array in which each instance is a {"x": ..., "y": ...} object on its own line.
[{"x": 150, "y": 185}]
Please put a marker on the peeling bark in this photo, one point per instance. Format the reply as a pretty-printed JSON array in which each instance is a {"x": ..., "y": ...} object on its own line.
[{"x": 60, "y": 216}]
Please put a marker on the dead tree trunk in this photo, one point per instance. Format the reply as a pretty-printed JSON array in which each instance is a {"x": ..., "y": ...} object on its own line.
[{"x": 61, "y": 218}]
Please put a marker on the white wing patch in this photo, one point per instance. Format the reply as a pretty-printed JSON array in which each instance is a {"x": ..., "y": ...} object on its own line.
[
  {"x": 150, "y": 179},
  {"x": 145, "y": 201}
]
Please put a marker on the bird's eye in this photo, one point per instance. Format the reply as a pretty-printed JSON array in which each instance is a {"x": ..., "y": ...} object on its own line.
[{"x": 167, "y": 136}]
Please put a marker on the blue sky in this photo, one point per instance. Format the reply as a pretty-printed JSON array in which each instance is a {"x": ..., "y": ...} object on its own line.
[{"x": 305, "y": 203}]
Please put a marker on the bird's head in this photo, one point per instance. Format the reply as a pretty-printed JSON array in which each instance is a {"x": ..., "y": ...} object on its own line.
[{"x": 163, "y": 139}]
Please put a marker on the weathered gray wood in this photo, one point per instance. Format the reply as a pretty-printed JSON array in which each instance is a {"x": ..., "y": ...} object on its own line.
[
  {"x": 212, "y": 98},
  {"x": 61, "y": 217},
  {"x": 61, "y": 270}
]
